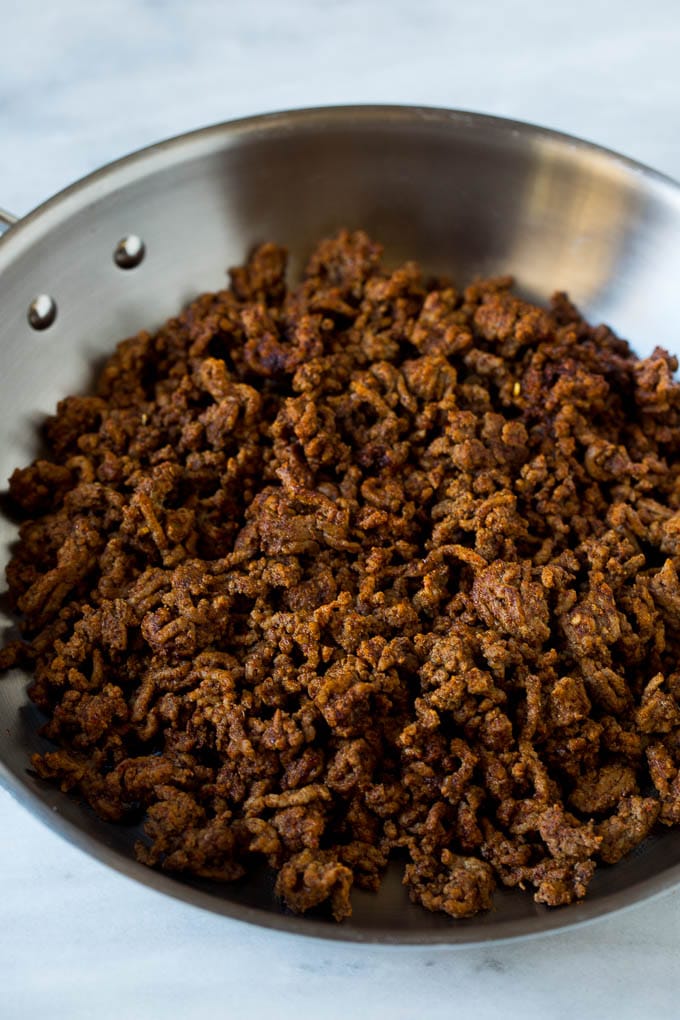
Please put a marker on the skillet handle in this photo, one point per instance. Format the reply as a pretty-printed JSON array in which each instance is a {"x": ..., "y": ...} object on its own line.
[{"x": 6, "y": 221}]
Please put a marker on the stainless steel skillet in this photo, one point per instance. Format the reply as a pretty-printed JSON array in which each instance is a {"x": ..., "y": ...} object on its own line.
[{"x": 462, "y": 193}]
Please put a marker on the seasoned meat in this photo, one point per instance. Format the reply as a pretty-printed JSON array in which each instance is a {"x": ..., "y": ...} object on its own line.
[
  {"x": 365, "y": 567},
  {"x": 309, "y": 878},
  {"x": 461, "y": 886}
]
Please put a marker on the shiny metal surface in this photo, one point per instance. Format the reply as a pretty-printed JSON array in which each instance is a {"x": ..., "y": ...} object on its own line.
[
  {"x": 42, "y": 312},
  {"x": 464, "y": 194},
  {"x": 129, "y": 252},
  {"x": 6, "y": 221}
]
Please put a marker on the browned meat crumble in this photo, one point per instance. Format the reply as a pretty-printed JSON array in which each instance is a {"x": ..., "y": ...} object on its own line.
[{"x": 364, "y": 568}]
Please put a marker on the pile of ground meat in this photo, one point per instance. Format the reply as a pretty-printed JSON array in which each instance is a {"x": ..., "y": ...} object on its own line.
[{"x": 365, "y": 568}]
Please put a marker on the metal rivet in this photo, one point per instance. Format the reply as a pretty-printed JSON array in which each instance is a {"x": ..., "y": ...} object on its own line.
[
  {"x": 129, "y": 252},
  {"x": 42, "y": 311}
]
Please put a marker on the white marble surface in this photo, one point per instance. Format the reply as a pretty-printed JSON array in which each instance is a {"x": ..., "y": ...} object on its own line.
[{"x": 82, "y": 83}]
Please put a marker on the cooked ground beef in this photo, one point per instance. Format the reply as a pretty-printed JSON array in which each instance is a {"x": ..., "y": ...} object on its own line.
[{"x": 365, "y": 568}]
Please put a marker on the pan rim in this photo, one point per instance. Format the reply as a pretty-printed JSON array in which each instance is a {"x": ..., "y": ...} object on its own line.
[{"x": 314, "y": 116}]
